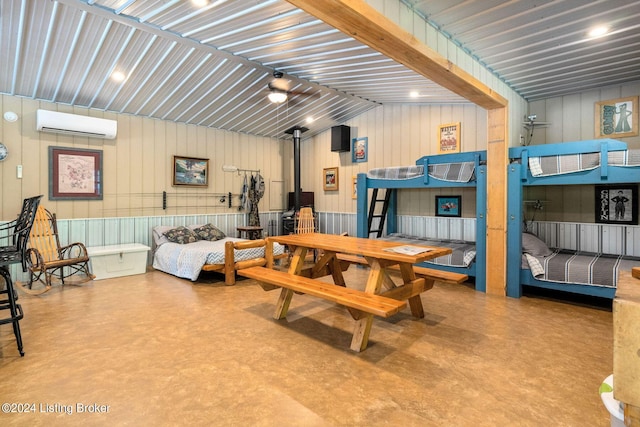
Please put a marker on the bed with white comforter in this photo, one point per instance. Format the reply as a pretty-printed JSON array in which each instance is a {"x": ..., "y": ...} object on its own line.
[{"x": 188, "y": 260}]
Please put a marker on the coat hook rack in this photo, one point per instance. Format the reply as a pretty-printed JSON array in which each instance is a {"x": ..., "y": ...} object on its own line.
[
  {"x": 231, "y": 168},
  {"x": 222, "y": 198}
]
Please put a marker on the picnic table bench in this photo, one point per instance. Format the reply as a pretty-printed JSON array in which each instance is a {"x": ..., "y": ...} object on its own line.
[
  {"x": 381, "y": 295},
  {"x": 375, "y": 304}
]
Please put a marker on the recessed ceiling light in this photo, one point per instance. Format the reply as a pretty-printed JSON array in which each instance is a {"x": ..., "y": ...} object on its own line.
[
  {"x": 118, "y": 76},
  {"x": 199, "y": 3},
  {"x": 417, "y": 94},
  {"x": 598, "y": 31},
  {"x": 310, "y": 119}
]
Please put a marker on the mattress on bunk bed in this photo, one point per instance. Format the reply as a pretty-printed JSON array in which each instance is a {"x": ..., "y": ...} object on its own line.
[
  {"x": 584, "y": 268},
  {"x": 463, "y": 252},
  {"x": 454, "y": 172},
  {"x": 569, "y": 163}
]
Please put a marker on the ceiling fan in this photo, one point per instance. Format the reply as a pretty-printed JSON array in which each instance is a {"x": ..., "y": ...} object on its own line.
[{"x": 279, "y": 89}]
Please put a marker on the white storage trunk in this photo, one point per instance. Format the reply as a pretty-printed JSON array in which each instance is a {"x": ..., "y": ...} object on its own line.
[{"x": 118, "y": 260}]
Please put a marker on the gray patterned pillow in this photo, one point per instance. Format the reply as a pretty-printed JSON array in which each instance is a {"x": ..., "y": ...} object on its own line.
[
  {"x": 209, "y": 232},
  {"x": 181, "y": 235},
  {"x": 532, "y": 245}
]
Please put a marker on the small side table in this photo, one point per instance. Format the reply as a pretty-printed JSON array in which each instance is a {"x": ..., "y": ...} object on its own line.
[{"x": 252, "y": 232}]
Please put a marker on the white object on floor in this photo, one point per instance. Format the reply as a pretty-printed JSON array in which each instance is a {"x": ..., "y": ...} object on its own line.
[
  {"x": 615, "y": 407},
  {"x": 118, "y": 260}
]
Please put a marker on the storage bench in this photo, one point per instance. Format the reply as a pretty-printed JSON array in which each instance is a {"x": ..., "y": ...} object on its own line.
[{"x": 118, "y": 260}]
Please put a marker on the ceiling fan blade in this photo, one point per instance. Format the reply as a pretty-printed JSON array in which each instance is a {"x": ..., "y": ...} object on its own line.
[
  {"x": 307, "y": 94},
  {"x": 279, "y": 84}
]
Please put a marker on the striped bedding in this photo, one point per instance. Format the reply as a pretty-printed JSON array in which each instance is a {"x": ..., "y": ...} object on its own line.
[
  {"x": 462, "y": 256},
  {"x": 557, "y": 165},
  {"x": 584, "y": 268},
  {"x": 452, "y": 172}
]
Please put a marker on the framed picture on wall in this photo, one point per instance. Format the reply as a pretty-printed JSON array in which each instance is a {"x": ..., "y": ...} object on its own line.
[
  {"x": 616, "y": 204},
  {"x": 617, "y": 118},
  {"x": 359, "y": 148},
  {"x": 448, "y": 205},
  {"x": 75, "y": 174},
  {"x": 330, "y": 179},
  {"x": 449, "y": 138},
  {"x": 190, "y": 171}
]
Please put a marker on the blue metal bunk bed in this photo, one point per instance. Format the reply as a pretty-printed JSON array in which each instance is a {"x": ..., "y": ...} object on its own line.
[
  {"x": 417, "y": 179},
  {"x": 601, "y": 162}
]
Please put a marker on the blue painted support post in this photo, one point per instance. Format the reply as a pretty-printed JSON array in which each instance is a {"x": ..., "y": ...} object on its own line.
[
  {"x": 392, "y": 212},
  {"x": 514, "y": 229},
  {"x": 425, "y": 165},
  {"x": 481, "y": 227},
  {"x": 362, "y": 206},
  {"x": 604, "y": 161}
]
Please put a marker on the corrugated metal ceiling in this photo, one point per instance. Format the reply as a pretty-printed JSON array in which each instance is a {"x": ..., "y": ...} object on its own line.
[
  {"x": 212, "y": 65},
  {"x": 542, "y": 48}
]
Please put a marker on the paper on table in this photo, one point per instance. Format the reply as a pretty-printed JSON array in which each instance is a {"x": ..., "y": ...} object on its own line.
[{"x": 408, "y": 249}]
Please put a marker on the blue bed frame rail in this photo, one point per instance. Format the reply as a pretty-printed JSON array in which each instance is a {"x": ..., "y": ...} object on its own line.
[
  {"x": 364, "y": 183},
  {"x": 519, "y": 176}
]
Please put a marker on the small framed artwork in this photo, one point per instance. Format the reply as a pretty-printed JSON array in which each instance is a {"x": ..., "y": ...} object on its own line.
[
  {"x": 190, "y": 171},
  {"x": 330, "y": 179},
  {"x": 617, "y": 118},
  {"x": 359, "y": 148},
  {"x": 75, "y": 174},
  {"x": 616, "y": 204},
  {"x": 354, "y": 187},
  {"x": 449, "y": 138},
  {"x": 448, "y": 205}
]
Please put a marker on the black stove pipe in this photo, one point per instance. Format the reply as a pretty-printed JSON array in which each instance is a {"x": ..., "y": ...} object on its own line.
[
  {"x": 296, "y": 131},
  {"x": 296, "y": 169}
]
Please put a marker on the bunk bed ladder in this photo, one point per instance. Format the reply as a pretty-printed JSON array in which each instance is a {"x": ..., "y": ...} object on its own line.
[{"x": 383, "y": 214}]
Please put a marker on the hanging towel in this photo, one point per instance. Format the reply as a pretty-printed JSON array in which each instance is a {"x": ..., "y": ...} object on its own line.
[{"x": 244, "y": 195}]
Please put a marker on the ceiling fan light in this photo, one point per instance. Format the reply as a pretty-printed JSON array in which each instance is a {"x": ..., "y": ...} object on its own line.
[{"x": 277, "y": 97}]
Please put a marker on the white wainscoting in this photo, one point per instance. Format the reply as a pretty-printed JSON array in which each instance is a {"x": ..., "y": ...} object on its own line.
[
  {"x": 121, "y": 230},
  {"x": 615, "y": 239},
  {"x": 603, "y": 238},
  {"x": 424, "y": 226},
  {"x": 438, "y": 227},
  {"x": 337, "y": 223}
]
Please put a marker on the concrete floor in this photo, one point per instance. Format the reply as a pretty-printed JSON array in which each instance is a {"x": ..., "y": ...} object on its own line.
[{"x": 152, "y": 350}]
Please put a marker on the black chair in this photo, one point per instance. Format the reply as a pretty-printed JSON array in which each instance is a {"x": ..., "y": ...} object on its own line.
[{"x": 16, "y": 234}]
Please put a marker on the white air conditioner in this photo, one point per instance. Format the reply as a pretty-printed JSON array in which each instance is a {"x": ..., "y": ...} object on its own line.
[{"x": 73, "y": 124}]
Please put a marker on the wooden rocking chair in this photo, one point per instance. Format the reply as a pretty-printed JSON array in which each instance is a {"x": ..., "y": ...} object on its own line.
[
  {"x": 47, "y": 259},
  {"x": 305, "y": 223}
]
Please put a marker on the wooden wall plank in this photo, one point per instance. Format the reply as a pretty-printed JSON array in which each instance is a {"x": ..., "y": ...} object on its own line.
[{"x": 497, "y": 159}]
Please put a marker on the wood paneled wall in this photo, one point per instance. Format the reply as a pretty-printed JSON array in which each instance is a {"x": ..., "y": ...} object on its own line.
[
  {"x": 571, "y": 118},
  {"x": 398, "y": 135},
  {"x": 137, "y": 165}
]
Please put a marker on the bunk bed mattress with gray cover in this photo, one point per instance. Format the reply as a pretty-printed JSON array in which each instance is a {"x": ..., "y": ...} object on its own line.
[
  {"x": 568, "y": 266},
  {"x": 463, "y": 252}
]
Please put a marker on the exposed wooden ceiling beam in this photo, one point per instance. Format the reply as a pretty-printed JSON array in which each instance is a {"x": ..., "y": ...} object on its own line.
[{"x": 367, "y": 25}]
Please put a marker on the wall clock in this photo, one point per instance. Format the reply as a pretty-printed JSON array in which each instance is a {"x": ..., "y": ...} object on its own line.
[{"x": 3, "y": 151}]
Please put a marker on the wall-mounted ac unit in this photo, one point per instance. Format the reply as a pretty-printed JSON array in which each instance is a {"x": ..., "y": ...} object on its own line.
[{"x": 73, "y": 124}]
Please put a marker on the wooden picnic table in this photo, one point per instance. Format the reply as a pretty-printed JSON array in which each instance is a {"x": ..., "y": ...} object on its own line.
[{"x": 380, "y": 259}]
